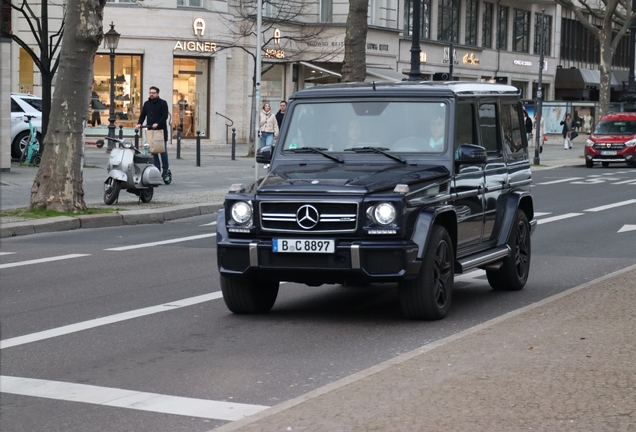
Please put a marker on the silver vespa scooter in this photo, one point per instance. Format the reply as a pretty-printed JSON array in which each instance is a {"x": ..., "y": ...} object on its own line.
[{"x": 130, "y": 169}]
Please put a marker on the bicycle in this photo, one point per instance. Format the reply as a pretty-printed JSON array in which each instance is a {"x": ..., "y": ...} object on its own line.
[{"x": 31, "y": 150}]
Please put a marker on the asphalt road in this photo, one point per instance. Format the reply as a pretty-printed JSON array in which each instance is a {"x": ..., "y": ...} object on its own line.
[{"x": 98, "y": 337}]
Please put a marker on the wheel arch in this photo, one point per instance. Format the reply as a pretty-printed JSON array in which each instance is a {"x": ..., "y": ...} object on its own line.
[
  {"x": 443, "y": 216},
  {"x": 516, "y": 200}
]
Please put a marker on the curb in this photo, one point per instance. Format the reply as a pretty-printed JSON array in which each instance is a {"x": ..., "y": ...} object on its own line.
[{"x": 128, "y": 217}]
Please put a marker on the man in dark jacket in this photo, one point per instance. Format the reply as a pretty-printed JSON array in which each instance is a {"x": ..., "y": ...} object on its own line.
[
  {"x": 155, "y": 113},
  {"x": 281, "y": 113}
]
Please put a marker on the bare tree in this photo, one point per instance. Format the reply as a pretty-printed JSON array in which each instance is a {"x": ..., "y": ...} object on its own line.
[
  {"x": 354, "y": 65},
  {"x": 614, "y": 17},
  {"x": 45, "y": 57},
  {"x": 58, "y": 184}
]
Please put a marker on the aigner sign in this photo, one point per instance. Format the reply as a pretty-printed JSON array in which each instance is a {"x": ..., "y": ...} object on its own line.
[{"x": 198, "y": 27}]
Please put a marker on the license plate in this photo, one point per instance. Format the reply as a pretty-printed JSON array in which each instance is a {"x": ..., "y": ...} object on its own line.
[
  {"x": 608, "y": 153},
  {"x": 304, "y": 245}
]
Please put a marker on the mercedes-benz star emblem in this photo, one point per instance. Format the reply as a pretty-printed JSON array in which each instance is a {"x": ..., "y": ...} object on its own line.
[{"x": 307, "y": 216}]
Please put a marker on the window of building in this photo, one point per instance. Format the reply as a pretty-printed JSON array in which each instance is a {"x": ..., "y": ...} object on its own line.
[
  {"x": 502, "y": 27},
  {"x": 486, "y": 31},
  {"x": 448, "y": 21},
  {"x": 521, "y": 31},
  {"x": 537, "y": 34},
  {"x": 472, "y": 12},
  {"x": 128, "y": 93},
  {"x": 326, "y": 11},
  {"x": 189, "y": 3},
  {"x": 425, "y": 18}
]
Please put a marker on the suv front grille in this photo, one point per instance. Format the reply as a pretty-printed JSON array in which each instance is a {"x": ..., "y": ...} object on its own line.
[
  {"x": 309, "y": 217},
  {"x": 612, "y": 146}
]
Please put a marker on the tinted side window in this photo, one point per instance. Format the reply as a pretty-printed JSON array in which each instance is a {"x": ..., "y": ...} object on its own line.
[
  {"x": 15, "y": 107},
  {"x": 35, "y": 103},
  {"x": 465, "y": 125},
  {"x": 511, "y": 125},
  {"x": 488, "y": 126}
]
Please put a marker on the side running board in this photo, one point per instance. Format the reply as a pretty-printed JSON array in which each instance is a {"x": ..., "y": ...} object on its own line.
[{"x": 482, "y": 258}]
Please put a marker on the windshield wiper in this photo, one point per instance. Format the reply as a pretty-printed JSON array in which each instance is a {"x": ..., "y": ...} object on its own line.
[
  {"x": 319, "y": 150},
  {"x": 381, "y": 150}
]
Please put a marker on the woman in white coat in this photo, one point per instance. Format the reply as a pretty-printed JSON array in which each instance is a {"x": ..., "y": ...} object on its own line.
[
  {"x": 541, "y": 133},
  {"x": 269, "y": 126}
]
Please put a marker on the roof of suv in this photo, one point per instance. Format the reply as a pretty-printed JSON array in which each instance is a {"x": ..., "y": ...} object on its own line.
[
  {"x": 408, "y": 88},
  {"x": 27, "y": 95}
]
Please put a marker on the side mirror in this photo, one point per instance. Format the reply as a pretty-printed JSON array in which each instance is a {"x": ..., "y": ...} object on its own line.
[
  {"x": 470, "y": 154},
  {"x": 264, "y": 154}
]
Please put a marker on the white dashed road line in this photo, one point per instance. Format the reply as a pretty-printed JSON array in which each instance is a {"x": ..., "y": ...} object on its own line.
[
  {"x": 208, "y": 224},
  {"x": 611, "y": 206},
  {"x": 565, "y": 180},
  {"x": 164, "y": 242},
  {"x": 6, "y": 253},
  {"x": 120, "y": 398},
  {"x": 559, "y": 217},
  {"x": 42, "y": 260},
  {"x": 72, "y": 328}
]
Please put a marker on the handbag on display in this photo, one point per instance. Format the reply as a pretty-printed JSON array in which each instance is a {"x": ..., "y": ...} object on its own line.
[{"x": 154, "y": 137}]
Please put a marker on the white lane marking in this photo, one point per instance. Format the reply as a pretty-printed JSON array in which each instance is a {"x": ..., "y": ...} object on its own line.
[
  {"x": 42, "y": 260},
  {"x": 131, "y": 399},
  {"x": 627, "y": 228},
  {"x": 625, "y": 182},
  {"x": 163, "y": 242},
  {"x": 208, "y": 224},
  {"x": 6, "y": 253},
  {"x": 539, "y": 214},
  {"x": 560, "y": 217},
  {"x": 610, "y": 206},
  {"x": 72, "y": 328},
  {"x": 560, "y": 181},
  {"x": 470, "y": 276}
]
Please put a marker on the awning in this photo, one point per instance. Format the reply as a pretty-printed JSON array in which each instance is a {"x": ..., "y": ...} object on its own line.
[
  {"x": 384, "y": 74},
  {"x": 618, "y": 78},
  {"x": 582, "y": 78},
  {"x": 321, "y": 69}
]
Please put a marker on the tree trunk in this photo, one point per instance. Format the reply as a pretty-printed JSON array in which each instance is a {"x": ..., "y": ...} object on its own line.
[
  {"x": 354, "y": 65},
  {"x": 605, "y": 72},
  {"x": 58, "y": 184}
]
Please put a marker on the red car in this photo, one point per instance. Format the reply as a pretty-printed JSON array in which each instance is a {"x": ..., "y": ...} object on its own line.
[{"x": 613, "y": 140}]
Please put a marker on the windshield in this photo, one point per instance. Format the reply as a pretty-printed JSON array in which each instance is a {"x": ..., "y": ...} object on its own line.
[
  {"x": 413, "y": 127},
  {"x": 622, "y": 127}
]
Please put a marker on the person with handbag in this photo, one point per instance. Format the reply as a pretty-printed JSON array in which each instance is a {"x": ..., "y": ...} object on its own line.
[
  {"x": 269, "y": 127},
  {"x": 155, "y": 113},
  {"x": 542, "y": 135},
  {"x": 567, "y": 131}
]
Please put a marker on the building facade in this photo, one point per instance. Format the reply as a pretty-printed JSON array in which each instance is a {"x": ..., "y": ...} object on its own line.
[{"x": 200, "y": 54}]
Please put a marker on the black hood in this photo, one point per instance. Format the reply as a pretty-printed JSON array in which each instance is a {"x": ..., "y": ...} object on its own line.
[{"x": 347, "y": 178}]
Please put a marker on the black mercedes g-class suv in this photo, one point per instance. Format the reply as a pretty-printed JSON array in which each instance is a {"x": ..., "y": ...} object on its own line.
[{"x": 404, "y": 182}]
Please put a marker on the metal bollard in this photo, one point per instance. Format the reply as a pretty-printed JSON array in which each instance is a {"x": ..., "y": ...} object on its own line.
[
  {"x": 233, "y": 143},
  {"x": 179, "y": 142},
  {"x": 121, "y": 131},
  {"x": 198, "y": 148},
  {"x": 137, "y": 139}
]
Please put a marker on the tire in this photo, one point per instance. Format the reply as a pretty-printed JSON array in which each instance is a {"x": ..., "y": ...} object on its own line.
[
  {"x": 248, "y": 296},
  {"x": 111, "y": 193},
  {"x": 146, "y": 194},
  {"x": 605, "y": 164},
  {"x": 37, "y": 159},
  {"x": 589, "y": 163},
  {"x": 429, "y": 295},
  {"x": 20, "y": 142},
  {"x": 513, "y": 274}
]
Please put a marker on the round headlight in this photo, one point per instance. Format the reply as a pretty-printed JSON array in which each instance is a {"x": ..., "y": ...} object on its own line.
[
  {"x": 127, "y": 143},
  {"x": 384, "y": 214},
  {"x": 241, "y": 212}
]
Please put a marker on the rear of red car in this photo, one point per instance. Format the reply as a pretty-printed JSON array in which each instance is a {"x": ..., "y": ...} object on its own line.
[{"x": 612, "y": 141}]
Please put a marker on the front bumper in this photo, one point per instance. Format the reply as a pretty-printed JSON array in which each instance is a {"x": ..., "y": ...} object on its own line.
[
  {"x": 628, "y": 154},
  {"x": 380, "y": 261}
]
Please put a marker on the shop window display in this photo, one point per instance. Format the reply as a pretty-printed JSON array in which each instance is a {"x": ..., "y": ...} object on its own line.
[{"x": 127, "y": 94}]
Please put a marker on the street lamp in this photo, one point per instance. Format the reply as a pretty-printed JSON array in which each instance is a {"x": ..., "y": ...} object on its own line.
[
  {"x": 415, "y": 73},
  {"x": 539, "y": 104},
  {"x": 630, "y": 95},
  {"x": 112, "y": 40}
]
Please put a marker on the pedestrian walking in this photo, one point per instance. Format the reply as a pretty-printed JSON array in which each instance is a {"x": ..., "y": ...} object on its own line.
[
  {"x": 155, "y": 113},
  {"x": 542, "y": 134},
  {"x": 281, "y": 113},
  {"x": 269, "y": 127},
  {"x": 528, "y": 122},
  {"x": 567, "y": 131}
]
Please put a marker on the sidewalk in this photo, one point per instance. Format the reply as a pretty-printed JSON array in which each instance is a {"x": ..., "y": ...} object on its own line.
[
  {"x": 193, "y": 191},
  {"x": 565, "y": 363}
]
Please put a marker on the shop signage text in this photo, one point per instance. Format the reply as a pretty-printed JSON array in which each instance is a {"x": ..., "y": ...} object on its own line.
[
  {"x": 325, "y": 44},
  {"x": 529, "y": 63},
  {"x": 470, "y": 59},
  {"x": 198, "y": 28},
  {"x": 446, "y": 57},
  {"x": 376, "y": 47},
  {"x": 274, "y": 53}
]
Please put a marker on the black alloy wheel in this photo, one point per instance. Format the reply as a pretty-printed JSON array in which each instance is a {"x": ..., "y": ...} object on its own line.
[
  {"x": 513, "y": 274},
  {"x": 243, "y": 295},
  {"x": 146, "y": 194}
]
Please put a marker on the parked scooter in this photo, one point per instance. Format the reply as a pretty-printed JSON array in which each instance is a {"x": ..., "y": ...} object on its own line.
[{"x": 130, "y": 169}]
